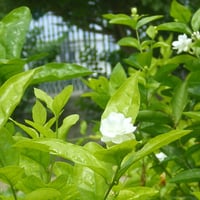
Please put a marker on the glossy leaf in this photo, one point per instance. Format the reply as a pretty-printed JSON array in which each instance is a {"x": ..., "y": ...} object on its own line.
[
  {"x": 117, "y": 77},
  {"x": 151, "y": 146},
  {"x": 39, "y": 113},
  {"x": 125, "y": 100},
  {"x": 175, "y": 26},
  {"x": 92, "y": 185},
  {"x": 43, "y": 96},
  {"x": 68, "y": 122},
  {"x": 59, "y": 71},
  {"x": 61, "y": 99},
  {"x": 11, "y": 93},
  {"x": 195, "y": 22},
  {"x": 29, "y": 131},
  {"x": 15, "y": 26},
  {"x": 187, "y": 176},
  {"x": 136, "y": 193},
  {"x": 44, "y": 131},
  {"x": 72, "y": 152},
  {"x": 116, "y": 153},
  {"x": 179, "y": 12}
]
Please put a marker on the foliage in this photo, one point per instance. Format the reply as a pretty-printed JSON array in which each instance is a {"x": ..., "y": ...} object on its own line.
[
  {"x": 38, "y": 162},
  {"x": 88, "y": 14}
]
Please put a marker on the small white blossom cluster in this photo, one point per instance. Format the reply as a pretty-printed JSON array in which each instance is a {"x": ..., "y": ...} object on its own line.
[
  {"x": 116, "y": 128},
  {"x": 184, "y": 43}
]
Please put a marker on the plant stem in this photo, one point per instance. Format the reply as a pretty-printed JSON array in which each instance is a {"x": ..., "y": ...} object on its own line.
[
  {"x": 114, "y": 182},
  {"x": 13, "y": 191},
  {"x": 57, "y": 126}
]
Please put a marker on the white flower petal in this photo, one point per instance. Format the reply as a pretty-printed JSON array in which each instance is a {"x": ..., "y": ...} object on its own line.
[
  {"x": 117, "y": 128},
  {"x": 183, "y": 44}
]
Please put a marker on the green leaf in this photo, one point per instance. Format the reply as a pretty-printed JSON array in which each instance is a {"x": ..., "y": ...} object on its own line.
[
  {"x": 59, "y": 71},
  {"x": 140, "y": 60},
  {"x": 146, "y": 20},
  {"x": 44, "y": 194},
  {"x": 195, "y": 22},
  {"x": 30, "y": 183},
  {"x": 92, "y": 186},
  {"x": 8, "y": 154},
  {"x": 153, "y": 116},
  {"x": 197, "y": 194},
  {"x": 11, "y": 93},
  {"x": 175, "y": 26},
  {"x": 117, "y": 77},
  {"x": 68, "y": 122},
  {"x": 126, "y": 99},
  {"x": 61, "y": 99},
  {"x": 187, "y": 176},
  {"x": 179, "y": 12},
  {"x": 130, "y": 42},
  {"x": 43, "y": 96},
  {"x": 100, "y": 90},
  {"x": 30, "y": 131},
  {"x": 15, "y": 26},
  {"x": 151, "y": 146},
  {"x": 11, "y": 174},
  {"x": 39, "y": 113},
  {"x": 121, "y": 19},
  {"x": 179, "y": 101},
  {"x": 193, "y": 115},
  {"x": 136, "y": 193},
  {"x": 114, "y": 154},
  {"x": 9, "y": 68},
  {"x": 151, "y": 32},
  {"x": 72, "y": 152},
  {"x": 43, "y": 130}
]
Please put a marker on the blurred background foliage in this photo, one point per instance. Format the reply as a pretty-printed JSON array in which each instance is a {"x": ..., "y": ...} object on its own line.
[{"x": 84, "y": 13}]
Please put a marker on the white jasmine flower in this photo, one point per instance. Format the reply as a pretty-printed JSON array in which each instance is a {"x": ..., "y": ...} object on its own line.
[
  {"x": 183, "y": 43},
  {"x": 161, "y": 156},
  {"x": 117, "y": 128}
]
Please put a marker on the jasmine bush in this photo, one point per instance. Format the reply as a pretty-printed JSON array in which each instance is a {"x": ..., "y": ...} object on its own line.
[{"x": 149, "y": 125}]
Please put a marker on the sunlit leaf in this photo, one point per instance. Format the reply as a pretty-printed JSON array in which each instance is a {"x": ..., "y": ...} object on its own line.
[
  {"x": 126, "y": 99},
  {"x": 11, "y": 93},
  {"x": 68, "y": 122},
  {"x": 195, "y": 22},
  {"x": 39, "y": 113}
]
